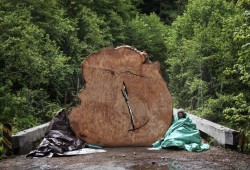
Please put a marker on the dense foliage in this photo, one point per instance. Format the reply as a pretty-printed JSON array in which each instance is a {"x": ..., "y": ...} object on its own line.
[
  {"x": 168, "y": 11},
  {"x": 209, "y": 61},
  {"x": 43, "y": 43},
  {"x": 203, "y": 48}
]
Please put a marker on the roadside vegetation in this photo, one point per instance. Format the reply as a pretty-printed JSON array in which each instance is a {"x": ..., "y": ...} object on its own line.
[{"x": 203, "y": 48}]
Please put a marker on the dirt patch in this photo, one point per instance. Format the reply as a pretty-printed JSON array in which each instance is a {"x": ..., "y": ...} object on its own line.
[{"x": 137, "y": 158}]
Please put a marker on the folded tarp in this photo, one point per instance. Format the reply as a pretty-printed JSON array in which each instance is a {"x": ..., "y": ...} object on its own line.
[
  {"x": 58, "y": 139},
  {"x": 183, "y": 135}
]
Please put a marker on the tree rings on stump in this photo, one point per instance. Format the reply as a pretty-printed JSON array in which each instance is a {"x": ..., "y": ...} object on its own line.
[{"x": 125, "y": 100}]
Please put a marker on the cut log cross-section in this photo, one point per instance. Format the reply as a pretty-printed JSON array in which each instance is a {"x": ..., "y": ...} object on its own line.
[{"x": 125, "y": 101}]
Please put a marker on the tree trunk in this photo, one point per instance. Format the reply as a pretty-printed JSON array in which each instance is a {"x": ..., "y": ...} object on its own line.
[{"x": 105, "y": 116}]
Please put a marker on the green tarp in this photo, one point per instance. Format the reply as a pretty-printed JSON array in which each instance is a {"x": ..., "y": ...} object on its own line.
[{"x": 182, "y": 134}]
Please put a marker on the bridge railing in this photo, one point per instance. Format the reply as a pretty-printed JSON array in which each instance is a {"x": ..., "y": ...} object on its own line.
[
  {"x": 223, "y": 135},
  {"x": 22, "y": 141}
]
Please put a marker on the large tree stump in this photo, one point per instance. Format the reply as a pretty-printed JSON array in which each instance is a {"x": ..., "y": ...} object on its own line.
[{"x": 103, "y": 117}]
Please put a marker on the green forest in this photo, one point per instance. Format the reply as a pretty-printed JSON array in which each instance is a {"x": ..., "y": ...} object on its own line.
[{"x": 203, "y": 48}]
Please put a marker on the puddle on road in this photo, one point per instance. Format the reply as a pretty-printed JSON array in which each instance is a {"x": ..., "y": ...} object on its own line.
[{"x": 170, "y": 166}]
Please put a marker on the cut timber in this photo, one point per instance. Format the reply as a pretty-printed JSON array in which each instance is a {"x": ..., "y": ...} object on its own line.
[{"x": 104, "y": 117}]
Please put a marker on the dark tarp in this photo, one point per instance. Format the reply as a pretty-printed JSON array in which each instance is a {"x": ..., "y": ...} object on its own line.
[{"x": 59, "y": 138}]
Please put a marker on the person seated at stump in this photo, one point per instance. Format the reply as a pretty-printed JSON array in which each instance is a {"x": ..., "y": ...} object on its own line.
[{"x": 182, "y": 134}]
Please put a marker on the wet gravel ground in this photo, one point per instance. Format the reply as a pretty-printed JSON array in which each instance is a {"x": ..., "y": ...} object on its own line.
[{"x": 136, "y": 158}]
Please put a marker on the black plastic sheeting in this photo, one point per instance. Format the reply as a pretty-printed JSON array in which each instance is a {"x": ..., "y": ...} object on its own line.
[{"x": 59, "y": 138}]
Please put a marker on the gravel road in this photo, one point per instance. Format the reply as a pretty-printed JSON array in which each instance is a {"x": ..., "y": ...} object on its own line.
[{"x": 136, "y": 158}]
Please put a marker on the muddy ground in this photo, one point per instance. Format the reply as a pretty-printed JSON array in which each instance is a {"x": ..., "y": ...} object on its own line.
[{"x": 135, "y": 159}]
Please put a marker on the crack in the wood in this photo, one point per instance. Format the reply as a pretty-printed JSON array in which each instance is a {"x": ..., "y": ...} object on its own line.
[{"x": 119, "y": 73}]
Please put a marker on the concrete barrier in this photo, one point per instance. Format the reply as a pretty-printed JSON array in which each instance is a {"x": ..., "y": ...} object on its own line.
[
  {"x": 22, "y": 141},
  {"x": 223, "y": 135}
]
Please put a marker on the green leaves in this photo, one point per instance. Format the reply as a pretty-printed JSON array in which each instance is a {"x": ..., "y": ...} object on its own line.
[
  {"x": 204, "y": 53},
  {"x": 238, "y": 114},
  {"x": 209, "y": 61},
  {"x": 148, "y": 33},
  {"x": 30, "y": 60},
  {"x": 42, "y": 46}
]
